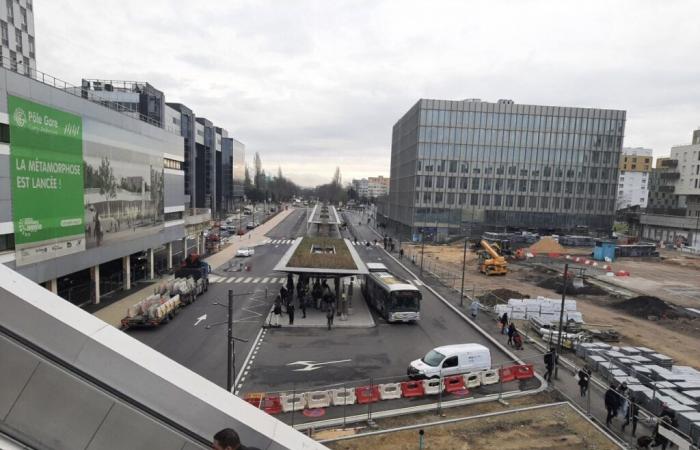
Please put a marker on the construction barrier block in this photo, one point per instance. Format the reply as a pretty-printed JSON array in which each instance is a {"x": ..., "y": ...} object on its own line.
[
  {"x": 390, "y": 391},
  {"x": 412, "y": 389},
  {"x": 489, "y": 377},
  {"x": 366, "y": 394},
  {"x": 318, "y": 399},
  {"x": 292, "y": 402},
  {"x": 506, "y": 374},
  {"x": 524, "y": 372},
  {"x": 271, "y": 404},
  {"x": 622, "y": 273},
  {"x": 472, "y": 379},
  {"x": 254, "y": 398},
  {"x": 342, "y": 396},
  {"x": 431, "y": 386},
  {"x": 454, "y": 383}
]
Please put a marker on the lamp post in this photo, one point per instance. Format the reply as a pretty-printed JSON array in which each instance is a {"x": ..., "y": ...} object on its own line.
[
  {"x": 231, "y": 349},
  {"x": 464, "y": 263},
  {"x": 561, "y": 320}
]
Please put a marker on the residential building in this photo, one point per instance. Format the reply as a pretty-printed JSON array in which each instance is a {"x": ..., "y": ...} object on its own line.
[
  {"x": 633, "y": 181},
  {"x": 17, "y": 45},
  {"x": 361, "y": 187},
  {"x": 93, "y": 198},
  {"x": 377, "y": 186},
  {"x": 461, "y": 166}
]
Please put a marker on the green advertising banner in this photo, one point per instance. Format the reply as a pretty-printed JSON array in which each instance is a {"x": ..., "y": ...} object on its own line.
[{"x": 46, "y": 171}]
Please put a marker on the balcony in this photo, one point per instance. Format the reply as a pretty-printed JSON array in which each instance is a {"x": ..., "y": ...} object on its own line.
[
  {"x": 670, "y": 176},
  {"x": 667, "y": 189},
  {"x": 670, "y": 163}
]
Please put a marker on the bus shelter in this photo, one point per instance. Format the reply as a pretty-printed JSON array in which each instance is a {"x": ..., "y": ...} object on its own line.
[{"x": 323, "y": 258}]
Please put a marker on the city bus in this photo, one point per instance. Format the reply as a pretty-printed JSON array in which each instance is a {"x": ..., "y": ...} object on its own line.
[{"x": 394, "y": 299}]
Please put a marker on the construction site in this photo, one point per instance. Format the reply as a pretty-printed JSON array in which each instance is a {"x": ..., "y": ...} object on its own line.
[{"x": 644, "y": 301}]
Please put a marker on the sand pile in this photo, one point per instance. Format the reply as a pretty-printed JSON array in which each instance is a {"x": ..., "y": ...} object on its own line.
[{"x": 546, "y": 245}]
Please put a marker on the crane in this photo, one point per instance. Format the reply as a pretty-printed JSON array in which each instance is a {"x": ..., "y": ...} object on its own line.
[{"x": 493, "y": 263}]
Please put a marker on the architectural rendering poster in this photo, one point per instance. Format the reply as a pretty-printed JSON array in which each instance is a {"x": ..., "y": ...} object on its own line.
[{"x": 46, "y": 158}]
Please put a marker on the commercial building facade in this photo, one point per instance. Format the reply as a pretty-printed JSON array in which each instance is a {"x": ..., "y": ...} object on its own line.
[
  {"x": 17, "y": 45},
  {"x": 633, "y": 181},
  {"x": 462, "y": 166},
  {"x": 371, "y": 187}
]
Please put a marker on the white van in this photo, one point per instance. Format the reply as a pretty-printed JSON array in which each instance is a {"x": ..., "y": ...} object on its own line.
[{"x": 451, "y": 360}]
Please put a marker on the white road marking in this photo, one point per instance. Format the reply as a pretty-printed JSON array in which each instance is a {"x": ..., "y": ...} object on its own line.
[
  {"x": 238, "y": 280},
  {"x": 257, "y": 280},
  {"x": 247, "y": 280},
  {"x": 264, "y": 280}
]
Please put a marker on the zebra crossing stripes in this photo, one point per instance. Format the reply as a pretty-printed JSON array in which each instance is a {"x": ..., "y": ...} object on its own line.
[
  {"x": 247, "y": 280},
  {"x": 281, "y": 241},
  {"x": 363, "y": 243}
]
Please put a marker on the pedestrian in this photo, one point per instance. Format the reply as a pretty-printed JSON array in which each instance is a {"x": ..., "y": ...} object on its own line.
[
  {"x": 584, "y": 376},
  {"x": 400, "y": 253},
  {"x": 474, "y": 309},
  {"x": 511, "y": 331},
  {"x": 644, "y": 442},
  {"x": 329, "y": 316},
  {"x": 303, "y": 299},
  {"x": 517, "y": 340},
  {"x": 504, "y": 322},
  {"x": 632, "y": 415},
  {"x": 290, "y": 312},
  {"x": 549, "y": 364},
  {"x": 351, "y": 287},
  {"x": 611, "y": 404},
  {"x": 227, "y": 439},
  {"x": 283, "y": 295},
  {"x": 659, "y": 439},
  {"x": 290, "y": 284},
  {"x": 276, "y": 312},
  {"x": 316, "y": 294},
  {"x": 385, "y": 242},
  {"x": 623, "y": 408}
]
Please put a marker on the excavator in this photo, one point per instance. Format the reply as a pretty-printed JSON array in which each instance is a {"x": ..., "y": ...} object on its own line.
[{"x": 490, "y": 261}]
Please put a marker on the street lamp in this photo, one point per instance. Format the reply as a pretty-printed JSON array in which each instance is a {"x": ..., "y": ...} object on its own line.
[{"x": 230, "y": 351}]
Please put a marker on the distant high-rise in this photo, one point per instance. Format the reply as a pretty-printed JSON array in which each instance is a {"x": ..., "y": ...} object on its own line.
[
  {"x": 461, "y": 166},
  {"x": 17, "y": 46}
]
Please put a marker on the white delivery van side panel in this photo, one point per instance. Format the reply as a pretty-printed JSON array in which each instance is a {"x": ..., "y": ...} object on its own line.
[{"x": 475, "y": 359}]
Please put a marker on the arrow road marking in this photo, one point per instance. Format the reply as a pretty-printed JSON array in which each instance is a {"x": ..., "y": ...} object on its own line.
[
  {"x": 312, "y": 365},
  {"x": 199, "y": 319}
]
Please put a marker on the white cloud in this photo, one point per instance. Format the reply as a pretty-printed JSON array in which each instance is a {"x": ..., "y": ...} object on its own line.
[{"x": 315, "y": 84}]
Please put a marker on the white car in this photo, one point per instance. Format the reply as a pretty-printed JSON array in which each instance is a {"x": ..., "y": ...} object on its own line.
[{"x": 245, "y": 251}]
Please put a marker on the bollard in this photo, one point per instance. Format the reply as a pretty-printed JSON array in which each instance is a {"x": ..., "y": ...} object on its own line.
[
  {"x": 294, "y": 398},
  {"x": 421, "y": 437}
]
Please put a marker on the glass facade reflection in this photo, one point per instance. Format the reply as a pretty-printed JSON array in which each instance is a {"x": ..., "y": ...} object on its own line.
[{"x": 457, "y": 166}]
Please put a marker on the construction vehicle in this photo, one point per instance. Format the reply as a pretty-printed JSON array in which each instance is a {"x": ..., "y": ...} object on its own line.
[
  {"x": 490, "y": 261},
  {"x": 196, "y": 268}
]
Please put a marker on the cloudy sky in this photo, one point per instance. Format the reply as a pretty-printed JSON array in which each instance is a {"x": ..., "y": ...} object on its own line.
[{"x": 316, "y": 84}]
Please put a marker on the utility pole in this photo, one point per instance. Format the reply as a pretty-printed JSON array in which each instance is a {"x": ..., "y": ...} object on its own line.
[
  {"x": 422, "y": 251},
  {"x": 231, "y": 355},
  {"x": 464, "y": 263},
  {"x": 561, "y": 320}
]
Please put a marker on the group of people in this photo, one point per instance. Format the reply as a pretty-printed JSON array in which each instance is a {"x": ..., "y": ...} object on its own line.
[
  {"x": 515, "y": 339},
  {"x": 317, "y": 295}
]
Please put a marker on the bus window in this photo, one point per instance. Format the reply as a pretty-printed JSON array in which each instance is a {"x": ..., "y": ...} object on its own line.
[{"x": 405, "y": 301}]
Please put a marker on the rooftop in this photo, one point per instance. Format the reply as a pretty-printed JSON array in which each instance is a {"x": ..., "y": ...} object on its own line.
[{"x": 322, "y": 255}]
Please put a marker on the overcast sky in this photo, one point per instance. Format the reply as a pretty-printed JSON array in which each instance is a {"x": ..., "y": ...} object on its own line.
[{"x": 316, "y": 84}]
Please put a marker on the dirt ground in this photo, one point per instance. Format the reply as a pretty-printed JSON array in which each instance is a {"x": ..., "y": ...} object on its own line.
[
  {"x": 558, "y": 427},
  {"x": 675, "y": 283}
]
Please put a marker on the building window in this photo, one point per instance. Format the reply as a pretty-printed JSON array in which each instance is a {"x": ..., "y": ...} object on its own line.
[
  {"x": 474, "y": 199},
  {"x": 521, "y": 202},
  {"x": 464, "y": 183},
  {"x": 475, "y": 183},
  {"x": 169, "y": 217},
  {"x": 567, "y": 202},
  {"x": 464, "y": 168},
  {"x": 547, "y": 171},
  {"x": 438, "y": 197},
  {"x": 522, "y": 185},
  {"x": 4, "y": 133},
  {"x": 427, "y": 196},
  {"x": 7, "y": 242},
  {"x": 418, "y": 180},
  {"x": 487, "y": 184},
  {"x": 450, "y": 199},
  {"x": 544, "y": 202},
  {"x": 511, "y": 170},
  {"x": 497, "y": 200},
  {"x": 428, "y": 182},
  {"x": 452, "y": 182},
  {"x": 462, "y": 199},
  {"x": 533, "y": 202},
  {"x": 440, "y": 182},
  {"x": 11, "y": 11},
  {"x": 485, "y": 200},
  {"x": 555, "y": 203},
  {"x": 5, "y": 33},
  {"x": 499, "y": 184},
  {"x": 453, "y": 166},
  {"x": 534, "y": 186},
  {"x": 18, "y": 40}
]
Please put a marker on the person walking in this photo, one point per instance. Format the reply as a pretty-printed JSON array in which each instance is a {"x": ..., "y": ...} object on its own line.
[
  {"x": 329, "y": 316},
  {"x": 517, "y": 340},
  {"x": 303, "y": 299},
  {"x": 277, "y": 312},
  {"x": 400, "y": 253},
  {"x": 612, "y": 402},
  {"x": 474, "y": 309},
  {"x": 511, "y": 331},
  {"x": 504, "y": 322},
  {"x": 549, "y": 364},
  {"x": 228, "y": 439},
  {"x": 584, "y": 376},
  {"x": 290, "y": 312},
  {"x": 623, "y": 408}
]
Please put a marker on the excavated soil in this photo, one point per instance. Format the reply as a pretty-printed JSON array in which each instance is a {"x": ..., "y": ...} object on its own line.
[
  {"x": 547, "y": 245},
  {"x": 500, "y": 296},
  {"x": 557, "y": 284},
  {"x": 644, "y": 306}
]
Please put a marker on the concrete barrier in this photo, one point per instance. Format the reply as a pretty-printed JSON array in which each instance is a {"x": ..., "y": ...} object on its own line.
[
  {"x": 432, "y": 386},
  {"x": 318, "y": 399},
  {"x": 341, "y": 396},
  {"x": 472, "y": 379},
  {"x": 390, "y": 391},
  {"x": 292, "y": 402},
  {"x": 489, "y": 377}
]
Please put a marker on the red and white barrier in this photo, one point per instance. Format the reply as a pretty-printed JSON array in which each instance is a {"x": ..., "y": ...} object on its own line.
[
  {"x": 412, "y": 389},
  {"x": 389, "y": 391},
  {"x": 292, "y": 402},
  {"x": 318, "y": 399},
  {"x": 489, "y": 377},
  {"x": 472, "y": 379},
  {"x": 432, "y": 386},
  {"x": 341, "y": 397}
]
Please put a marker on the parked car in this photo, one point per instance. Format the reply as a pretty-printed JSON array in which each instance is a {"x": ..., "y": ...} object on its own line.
[
  {"x": 250, "y": 225},
  {"x": 245, "y": 252},
  {"x": 451, "y": 360}
]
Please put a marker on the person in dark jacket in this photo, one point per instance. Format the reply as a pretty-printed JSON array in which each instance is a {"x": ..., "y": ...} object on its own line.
[
  {"x": 290, "y": 312},
  {"x": 549, "y": 363},
  {"x": 329, "y": 315},
  {"x": 511, "y": 331},
  {"x": 584, "y": 377},
  {"x": 612, "y": 403},
  {"x": 227, "y": 439},
  {"x": 504, "y": 322}
]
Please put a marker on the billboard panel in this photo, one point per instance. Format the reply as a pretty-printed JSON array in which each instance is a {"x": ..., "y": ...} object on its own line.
[{"x": 46, "y": 157}]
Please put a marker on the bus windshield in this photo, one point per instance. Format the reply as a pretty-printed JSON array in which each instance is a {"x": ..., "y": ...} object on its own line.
[
  {"x": 405, "y": 301},
  {"x": 433, "y": 358}
]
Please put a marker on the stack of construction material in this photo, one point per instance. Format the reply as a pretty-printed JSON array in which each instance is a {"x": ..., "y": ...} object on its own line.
[
  {"x": 547, "y": 310},
  {"x": 661, "y": 360}
]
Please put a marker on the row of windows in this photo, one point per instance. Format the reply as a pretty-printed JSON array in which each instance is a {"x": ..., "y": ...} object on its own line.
[
  {"x": 172, "y": 164},
  {"x": 512, "y": 154},
  {"x": 605, "y": 173},
  {"x": 519, "y": 201},
  {"x": 480, "y": 136},
  {"x": 499, "y": 184},
  {"x": 511, "y": 121}
]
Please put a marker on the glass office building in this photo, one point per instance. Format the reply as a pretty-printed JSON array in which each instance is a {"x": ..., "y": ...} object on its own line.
[{"x": 466, "y": 166}]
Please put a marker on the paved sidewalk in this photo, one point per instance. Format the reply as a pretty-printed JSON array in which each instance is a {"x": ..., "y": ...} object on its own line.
[
  {"x": 114, "y": 313},
  {"x": 359, "y": 317}
]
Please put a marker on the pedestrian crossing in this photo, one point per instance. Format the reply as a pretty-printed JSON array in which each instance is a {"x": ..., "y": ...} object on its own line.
[
  {"x": 247, "y": 280},
  {"x": 279, "y": 241},
  {"x": 364, "y": 243}
]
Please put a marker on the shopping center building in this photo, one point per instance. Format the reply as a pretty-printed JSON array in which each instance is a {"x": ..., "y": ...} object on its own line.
[{"x": 92, "y": 199}]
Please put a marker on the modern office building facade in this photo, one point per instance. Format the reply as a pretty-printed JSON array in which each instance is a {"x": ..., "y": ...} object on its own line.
[
  {"x": 634, "y": 177},
  {"x": 461, "y": 166},
  {"x": 91, "y": 199},
  {"x": 17, "y": 46}
]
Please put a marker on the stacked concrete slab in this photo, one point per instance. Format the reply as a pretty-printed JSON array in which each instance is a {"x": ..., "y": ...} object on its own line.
[{"x": 545, "y": 309}]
